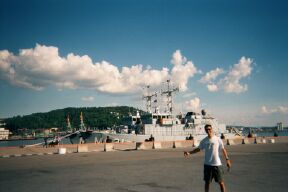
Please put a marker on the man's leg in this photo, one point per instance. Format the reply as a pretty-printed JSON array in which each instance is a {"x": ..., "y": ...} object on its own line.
[
  {"x": 218, "y": 175},
  {"x": 222, "y": 186},
  {"x": 207, "y": 184},
  {"x": 207, "y": 176}
]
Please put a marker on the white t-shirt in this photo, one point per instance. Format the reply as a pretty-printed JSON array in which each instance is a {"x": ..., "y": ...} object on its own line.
[{"x": 212, "y": 149}]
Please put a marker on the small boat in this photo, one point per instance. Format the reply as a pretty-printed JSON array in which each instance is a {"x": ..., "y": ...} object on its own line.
[{"x": 78, "y": 136}]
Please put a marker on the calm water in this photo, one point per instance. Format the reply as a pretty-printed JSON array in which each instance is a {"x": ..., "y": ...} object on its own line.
[
  {"x": 27, "y": 142},
  {"x": 94, "y": 137}
]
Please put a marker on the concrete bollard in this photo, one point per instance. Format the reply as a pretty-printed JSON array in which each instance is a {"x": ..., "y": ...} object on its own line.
[
  {"x": 156, "y": 145},
  {"x": 62, "y": 151},
  {"x": 82, "y": 148},
  {"x": 144, "y": 145},
  {"x": 178, "y": 144},
  {"x": 108, "y": 147},
  {"x": 167, "y": 144}
]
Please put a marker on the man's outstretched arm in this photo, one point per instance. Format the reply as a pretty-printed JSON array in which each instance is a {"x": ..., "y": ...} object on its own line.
[{"x": 196, "y": 150}]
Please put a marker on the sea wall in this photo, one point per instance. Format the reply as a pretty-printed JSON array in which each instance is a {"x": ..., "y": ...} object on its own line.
[{"x": 126, "y": 146}]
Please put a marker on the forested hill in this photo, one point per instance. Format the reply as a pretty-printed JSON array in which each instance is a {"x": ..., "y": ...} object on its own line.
[{"x": 94, "y": 117}]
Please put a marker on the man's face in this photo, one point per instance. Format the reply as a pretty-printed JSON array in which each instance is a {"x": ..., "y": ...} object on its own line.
[{"x": 209, "y": 131}]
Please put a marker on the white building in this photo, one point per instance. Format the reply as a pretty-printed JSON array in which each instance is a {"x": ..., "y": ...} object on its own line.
[{"x": 4, "y": 133}]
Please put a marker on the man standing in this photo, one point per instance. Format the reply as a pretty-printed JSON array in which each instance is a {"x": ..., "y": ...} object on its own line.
[{"x": 212, "y": 163}]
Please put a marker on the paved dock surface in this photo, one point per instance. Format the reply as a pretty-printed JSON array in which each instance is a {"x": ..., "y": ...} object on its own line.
[{"x": 256, "y": 167}]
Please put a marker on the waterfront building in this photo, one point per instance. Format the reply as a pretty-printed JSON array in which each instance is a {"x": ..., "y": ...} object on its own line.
[{"x": 4, "y": 133}]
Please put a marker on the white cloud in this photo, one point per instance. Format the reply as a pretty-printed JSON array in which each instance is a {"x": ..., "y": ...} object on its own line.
[
  {"x": 193, "y": 105},
  {"x": 182, "y": 70},
  {"x": 212, "y": 75},
  {"x": 212, "y": 87},
  {"x": 88, "y": 99},
  {"x": 279, "y": 109},
  {"x": 177, "y": 58},
  {"x": 231, "y": 82},
  {"x": 189, "y": 94},
  {"x": 264, "y": 110},
  {"x": 42, "y": 66}
]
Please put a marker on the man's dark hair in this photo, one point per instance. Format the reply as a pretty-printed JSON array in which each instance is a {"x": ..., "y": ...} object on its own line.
[{"x": 207, "y": 125}]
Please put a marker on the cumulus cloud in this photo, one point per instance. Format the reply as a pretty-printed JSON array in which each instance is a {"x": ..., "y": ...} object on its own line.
[
  {"x": 88, "y": 99},
  {"x": 212, "y": 87},
  {"x": 177, "y": 58},
  {"x": 231, "y": 82},
  {"x": 279, "y": 109},
  {"x": 193, "y": 105},
  {"x": 212, "y": 75},
  {"x": 182, "y": 70},
  {"x": 42, "y": 66}
]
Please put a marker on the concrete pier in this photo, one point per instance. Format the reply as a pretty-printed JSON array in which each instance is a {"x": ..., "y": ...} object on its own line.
[{"x": 256, "y": 167}]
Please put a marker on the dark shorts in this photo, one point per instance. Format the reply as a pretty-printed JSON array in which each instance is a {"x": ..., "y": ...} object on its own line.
[{"x": 215, "y": 172}]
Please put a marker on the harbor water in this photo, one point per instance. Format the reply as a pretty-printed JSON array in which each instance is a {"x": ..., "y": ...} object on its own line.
[{"x": 94, "y": 137}]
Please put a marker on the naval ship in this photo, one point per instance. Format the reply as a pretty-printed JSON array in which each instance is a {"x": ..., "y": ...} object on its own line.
[{"x": 165, "y": 126}]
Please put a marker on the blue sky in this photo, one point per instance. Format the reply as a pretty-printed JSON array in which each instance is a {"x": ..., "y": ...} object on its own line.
[{"x": 227, "y": 57}]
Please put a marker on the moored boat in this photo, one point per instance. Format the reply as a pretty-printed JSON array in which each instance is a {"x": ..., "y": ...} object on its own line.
[{"x": 165, "y": 126}]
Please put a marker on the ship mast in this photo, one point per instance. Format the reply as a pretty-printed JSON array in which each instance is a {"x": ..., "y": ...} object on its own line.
[
  {"x": 69, "y": 128},
  {"x": 82, "y": 126},
  {"x": 148, "y": 99},
  {"x": 168, "y": 93}
]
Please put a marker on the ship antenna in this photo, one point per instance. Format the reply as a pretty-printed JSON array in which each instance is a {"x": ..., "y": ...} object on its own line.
[
  {"x": 168, "y": 93},
  {"x": 148, "y": 99}
]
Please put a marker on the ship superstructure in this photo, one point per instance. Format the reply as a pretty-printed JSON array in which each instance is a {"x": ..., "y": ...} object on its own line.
[{"x": 163, "y": 125}]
